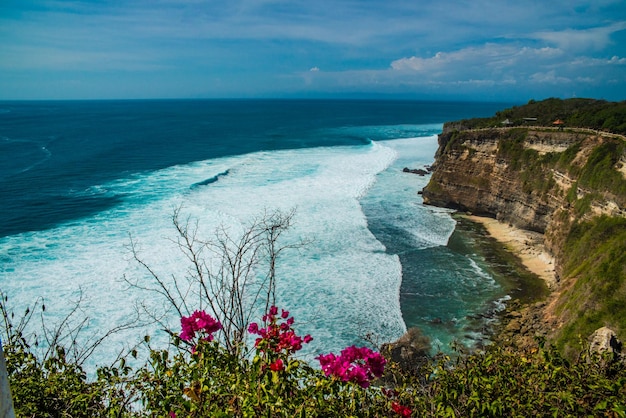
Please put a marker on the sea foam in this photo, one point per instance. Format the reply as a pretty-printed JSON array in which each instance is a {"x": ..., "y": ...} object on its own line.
[{"x": 339, "y": 287}]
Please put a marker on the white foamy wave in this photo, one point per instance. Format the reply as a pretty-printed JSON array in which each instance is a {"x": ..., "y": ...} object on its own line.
[
  {"x": 500, "y": 303},
  {"x": 341, "y": 286},
  {"x": 395, "y": 200},
  {"x": 479, "y": 271}
]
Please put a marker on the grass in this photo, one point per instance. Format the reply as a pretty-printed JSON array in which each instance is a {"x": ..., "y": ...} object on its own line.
[
  {"x": 599, "y": 172},
  {"x": 595, "y": 257}
]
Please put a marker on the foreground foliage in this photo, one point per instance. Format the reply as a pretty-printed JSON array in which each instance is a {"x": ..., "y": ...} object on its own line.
[
  {"x": 220, "y": 364},
  {"x": 199, "y": 377}
]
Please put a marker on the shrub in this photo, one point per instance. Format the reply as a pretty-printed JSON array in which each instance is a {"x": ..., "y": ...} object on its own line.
[
  {"x": 199, "y": 377},
  {"x": 204, "y": 378}
]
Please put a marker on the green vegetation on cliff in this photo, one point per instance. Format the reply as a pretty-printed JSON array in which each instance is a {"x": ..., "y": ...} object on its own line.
[
  {"x": 581, "y": 113},
  {"x": 573, "y": 180},
  {"x": 599, "y": 173},
  {"x": 534, "y": 168},
  {"x": 596, "y": 173},
  {"x": 595, "y": 259}
]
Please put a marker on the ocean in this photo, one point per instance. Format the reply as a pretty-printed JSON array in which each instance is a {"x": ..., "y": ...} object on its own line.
[{"x": 80, "y": 180}]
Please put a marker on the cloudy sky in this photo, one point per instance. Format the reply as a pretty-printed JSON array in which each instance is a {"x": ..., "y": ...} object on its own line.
[{"x": 429, "y": 49}]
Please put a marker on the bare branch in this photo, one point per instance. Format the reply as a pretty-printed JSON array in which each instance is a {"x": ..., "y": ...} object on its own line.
[{"x": 242, "y": 280}]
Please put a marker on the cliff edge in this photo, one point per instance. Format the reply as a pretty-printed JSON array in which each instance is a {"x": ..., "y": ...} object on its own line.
[{"x": 567, "y": 183}]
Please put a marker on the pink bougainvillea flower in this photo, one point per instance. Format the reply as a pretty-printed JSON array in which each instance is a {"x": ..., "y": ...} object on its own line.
[
  {"x": 354, "y": 364},
  {"x": 199, "y": 321},
  {"x": 278, "y": 335},
  {"x": 277, "y": 365},
  {"x": 401, "y": 410}
]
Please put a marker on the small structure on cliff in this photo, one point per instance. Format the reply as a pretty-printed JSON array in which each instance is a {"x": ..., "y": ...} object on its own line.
[{"x": 558, "y": 123}]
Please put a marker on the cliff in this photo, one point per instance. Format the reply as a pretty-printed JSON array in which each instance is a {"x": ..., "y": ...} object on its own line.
[{"x": 568, "y": 184}]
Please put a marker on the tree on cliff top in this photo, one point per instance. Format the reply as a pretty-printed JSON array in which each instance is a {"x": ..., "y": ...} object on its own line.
[{"x": 581, "y": 113}]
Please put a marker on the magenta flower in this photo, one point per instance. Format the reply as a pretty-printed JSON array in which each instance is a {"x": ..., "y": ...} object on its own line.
[
  {"x": 199, "y": 321},
  {"x": 277, "y": 365},
  {"x": 401, "y": 410},
  {"x": 358, "y": 365},
  {"x": 253, "y": 328},
  {"x": 278, "y": 336}
]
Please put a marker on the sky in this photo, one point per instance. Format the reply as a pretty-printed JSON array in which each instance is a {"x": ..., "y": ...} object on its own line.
[{"x": 488, "y": 50}]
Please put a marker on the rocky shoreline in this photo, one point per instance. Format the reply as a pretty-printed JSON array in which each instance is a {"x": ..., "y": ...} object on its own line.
[{"x": 523, "y": 324}]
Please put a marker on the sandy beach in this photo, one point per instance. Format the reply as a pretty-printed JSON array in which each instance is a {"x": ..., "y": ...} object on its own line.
[{"x": 528, "y": 245}]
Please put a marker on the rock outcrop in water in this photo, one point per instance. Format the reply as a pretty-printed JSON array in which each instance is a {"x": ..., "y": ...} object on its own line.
[{"x": 568, "y": 184}]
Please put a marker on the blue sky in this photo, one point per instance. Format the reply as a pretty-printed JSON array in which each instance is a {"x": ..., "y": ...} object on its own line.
[{"x": 423, "y": 49}]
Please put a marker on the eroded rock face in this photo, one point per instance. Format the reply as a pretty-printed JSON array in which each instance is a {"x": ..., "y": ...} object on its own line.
[
  {"x": 512, "y": 175},
  {"x": 410, "y": 351},
  {"x": 471, "y": 174},
  {"x": 543, "y": 180}
]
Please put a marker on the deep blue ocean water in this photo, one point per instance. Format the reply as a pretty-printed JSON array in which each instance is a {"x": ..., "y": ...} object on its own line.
[{"x": 78, "y": 179}]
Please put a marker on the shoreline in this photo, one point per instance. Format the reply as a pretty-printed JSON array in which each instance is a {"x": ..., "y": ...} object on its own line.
[
  {"x": 523, "y": 320},
  {"x": 527, "y": 245}
]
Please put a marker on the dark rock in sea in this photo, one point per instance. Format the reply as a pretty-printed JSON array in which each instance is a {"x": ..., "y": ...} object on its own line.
[
  {"x": 410, "y": 351},
  {"x": 417, "y": 171}
]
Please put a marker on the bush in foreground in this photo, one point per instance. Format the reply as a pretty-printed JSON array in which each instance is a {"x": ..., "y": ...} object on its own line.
[{"x": 200, "y": 377}]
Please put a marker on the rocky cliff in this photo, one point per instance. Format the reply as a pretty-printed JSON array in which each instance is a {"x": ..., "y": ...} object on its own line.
[{"x": 565, "y": 184}]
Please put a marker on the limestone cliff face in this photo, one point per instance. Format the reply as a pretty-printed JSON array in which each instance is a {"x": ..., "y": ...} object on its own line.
[
  {"x": 526, "y": 177},
  {"x": 569, "y": 185},
  {"x": 469, "y": 175}
]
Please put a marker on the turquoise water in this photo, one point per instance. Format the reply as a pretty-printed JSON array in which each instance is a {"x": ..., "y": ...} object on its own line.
[{"x": 78, "y": 179}]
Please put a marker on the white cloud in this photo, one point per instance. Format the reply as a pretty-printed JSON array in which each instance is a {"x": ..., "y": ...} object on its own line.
[
  {"x": 589, "y": 62},
  {"x": 314, "y": 69},
  {"x": 493, "y": 68},
  {"x": 593, "y": 39},
  {"x": 617, "y": 60},
  {"x": 485, "y": 59},
  {"x": 549, "y": 77}
]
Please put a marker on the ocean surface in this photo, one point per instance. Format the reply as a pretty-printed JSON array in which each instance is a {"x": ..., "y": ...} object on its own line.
[{"x": 80, "y": 179}]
